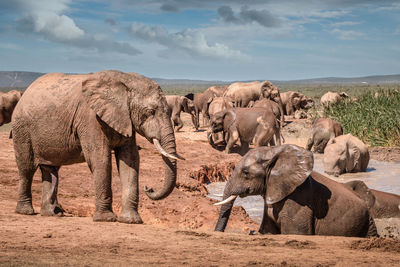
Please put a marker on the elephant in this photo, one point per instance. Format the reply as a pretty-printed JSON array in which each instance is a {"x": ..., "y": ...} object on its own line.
[
  {"x": 293, "y": 101},
  {"x": 323, "y": 130},
  {"x": 8, "y": 101},
  {"x": 244, "y": 93},
  {"x": 380, "y": 204},
  {"x": 218, "y": 104},
  {"x": 297, "y": 200},
  {"x": 250, "y": 125},
  {"x": 331, "y": 98},
  {"x": 65, "y": 119},
  {"x": 345, "y": 153},
  {"x": 270, "y": 105},
  {"x": 203, "y": 99},
  {"x": 177, "y": 104}
]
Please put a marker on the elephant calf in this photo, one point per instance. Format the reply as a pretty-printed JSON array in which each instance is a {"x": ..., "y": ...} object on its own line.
[
  {"x": 345, "y": 153},
  {"x": 380, "y": 204},
  {"x": 178, "y": 104},
  {"x": 250, "y": 125},
  {"x": 218, "y": 104},
  {"x": 331, "y": 98},
  {"x": 296, "y": 199},
  {"x": 323, "y": 130}
]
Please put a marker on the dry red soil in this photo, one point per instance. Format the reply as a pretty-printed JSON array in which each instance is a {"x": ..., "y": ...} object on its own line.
[{"x": 176, "y": 231}]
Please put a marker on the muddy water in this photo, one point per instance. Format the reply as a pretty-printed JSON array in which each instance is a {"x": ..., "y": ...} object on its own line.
[{"x": 384, "y": 176}]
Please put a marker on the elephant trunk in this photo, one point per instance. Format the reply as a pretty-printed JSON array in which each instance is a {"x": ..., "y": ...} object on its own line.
[
  {"x": 226, "y": 209},
  {"x": 168, "y": 144}
]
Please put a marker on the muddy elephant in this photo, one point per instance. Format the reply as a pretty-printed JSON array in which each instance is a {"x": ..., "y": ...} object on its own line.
[
  {"x": 244, "y": 94},
  {"x": 323, "y": 130},
  {"x": 178, "y": 104},
  {"x": 202, "y": 101},
  {"x": 271, "y": 106},
  {"x": 8, "y": 101},
  {"x": 296, "y": 199},
  {"x": 380, "y": 204},
  {"x": 331, "y": 98},
  {"x": 249, "y": 125},
  {"x": 345, "y": 153},
  {"x": 218, "y": 104},
  {"x": 65, "y": 119},
  {"x": 293, "y": 101}
]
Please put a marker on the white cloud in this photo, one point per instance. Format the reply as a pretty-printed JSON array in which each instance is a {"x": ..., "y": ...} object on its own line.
[
  {"x": 191, "y": 41},
  {"x": 345, "y": 23},
  {"x": 347, "y": 35},
  {"x": 48, "y": 19}
]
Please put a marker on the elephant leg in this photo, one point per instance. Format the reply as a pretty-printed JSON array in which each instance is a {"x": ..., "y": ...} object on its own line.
[
  {"x": 267, "y": 225},
  {"x": 310, "y": 143},
  {"x": 263, "y": 136},
  {"x": 127, "y": 158},
  {"x": 98, "y": 156},
  {"x": 26, "y": 169},
  {"x": 179, "y": 123},
  {"x": 233, "y": 138},
  {"x": 244, "y": 147},
  {"x": 50, "y": 206}
]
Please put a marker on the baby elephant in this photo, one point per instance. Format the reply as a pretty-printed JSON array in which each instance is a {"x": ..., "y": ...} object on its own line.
[
  {"x": 296, "y": 199},
  {"x": 345, "y": 153},
  {"x": 323, "y": 130},
  {"x": 380, "y": 204},
  {"x": 250, "y": 125},
  {"x": 178, "y": 104}
]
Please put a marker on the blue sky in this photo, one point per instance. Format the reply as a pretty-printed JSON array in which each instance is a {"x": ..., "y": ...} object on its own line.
[{"x": 208, "y": 39}]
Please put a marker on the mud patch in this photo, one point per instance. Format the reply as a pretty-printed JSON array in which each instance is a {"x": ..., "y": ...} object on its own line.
[
  {"x": 213, "y": 173},
  {"x": 379, "y": 244},
  {"x": 385, "y": 153},
  {"x": 191, "y": 233},
  {"x": 300, "y": 244}
]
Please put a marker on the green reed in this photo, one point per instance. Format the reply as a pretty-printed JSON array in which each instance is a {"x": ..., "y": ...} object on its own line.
[{"x": 374, "y": 117}]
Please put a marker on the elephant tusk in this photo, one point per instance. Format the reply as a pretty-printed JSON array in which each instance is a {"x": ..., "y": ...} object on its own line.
[
  {"x": 218, "y": 195},
  {"x": 229, "y": 199},
  {"x": 163, "y": 152}
]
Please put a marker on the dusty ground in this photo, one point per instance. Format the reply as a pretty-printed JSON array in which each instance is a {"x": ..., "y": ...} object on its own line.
[{"x": 177, "y": 230}]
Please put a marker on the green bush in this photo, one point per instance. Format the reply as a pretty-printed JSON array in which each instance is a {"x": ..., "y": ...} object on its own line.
[{"x": 374, "y": 117}]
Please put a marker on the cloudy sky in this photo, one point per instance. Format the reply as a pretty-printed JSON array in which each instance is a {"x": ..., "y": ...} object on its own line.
[{"x": 203, "y": 39}]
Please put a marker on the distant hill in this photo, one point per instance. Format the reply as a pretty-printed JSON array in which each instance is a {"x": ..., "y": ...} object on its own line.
[{"x": 23, "y": 79}]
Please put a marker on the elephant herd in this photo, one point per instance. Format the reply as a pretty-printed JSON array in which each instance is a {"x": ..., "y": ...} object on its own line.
[{"x": 65, "y": 119}]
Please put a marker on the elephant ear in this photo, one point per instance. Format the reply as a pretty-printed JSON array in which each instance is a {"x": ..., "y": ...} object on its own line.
[
  {"x": 288, "y": 168},
  {"x": 108, "y": 98},
  {"x": 354, "y": 155}
]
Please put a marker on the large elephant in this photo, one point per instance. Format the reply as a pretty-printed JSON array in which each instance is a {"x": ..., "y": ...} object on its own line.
[
  {"x": 331, "y": 98},
  {"x": 250, "y": 125},
  {"x": 202, "y": 101},
  {"x": 293, "y": 101},
  {"x": 218, "y": 104},
  {"x": 66, "y": 119},
  {"x": 271, "y": 106},
  {"x": 380, "y": 204},
  {"x": 178, "y": 104},
  {"x": 8, "y": 101},
  {"x": 323, "y": 130},
  {"x": 345, "y": 153},
  {"x": 245, "y": 93},
  {"x": 296, "y": 199}
]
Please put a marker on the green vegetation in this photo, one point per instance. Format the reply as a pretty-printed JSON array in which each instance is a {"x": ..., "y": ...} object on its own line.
[{"x": 374, "y": 117}]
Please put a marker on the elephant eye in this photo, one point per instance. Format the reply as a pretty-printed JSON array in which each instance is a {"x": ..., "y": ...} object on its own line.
[{"x": 245, "y": 171}]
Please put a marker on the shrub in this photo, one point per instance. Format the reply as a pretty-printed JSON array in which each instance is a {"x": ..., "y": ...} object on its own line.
[{"x": 374, "y": 117}]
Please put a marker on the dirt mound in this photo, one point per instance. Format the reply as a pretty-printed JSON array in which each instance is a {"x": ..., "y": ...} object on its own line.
[
  {"x": 385, "y": 153},
  {"x": 380, "y": 244},
  {"x": 213, "y": 173}
]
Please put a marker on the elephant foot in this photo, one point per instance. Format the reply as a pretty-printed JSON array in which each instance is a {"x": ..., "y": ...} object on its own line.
[
  {"x": 24, "y": 208},
  {"x": 131, "y": 217},
  {"x": 107, "y": 216},
  {"x": 52, "y": 210}
]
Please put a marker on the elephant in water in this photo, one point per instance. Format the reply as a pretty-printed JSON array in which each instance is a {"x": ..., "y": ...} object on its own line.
[
  {"x": 323, "y": 130},
  {"x": 331, "y": 98},
  {"x": 296, "y": 199},
  {"x": 380, "y": 204},
  {"x": 8, "y": 101},
  {"x": 250, "y": 125},
  {"x": 178, "y": 104},
  {"x": 345, "y": 153},
  {"x": 65, "y": 119}
]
